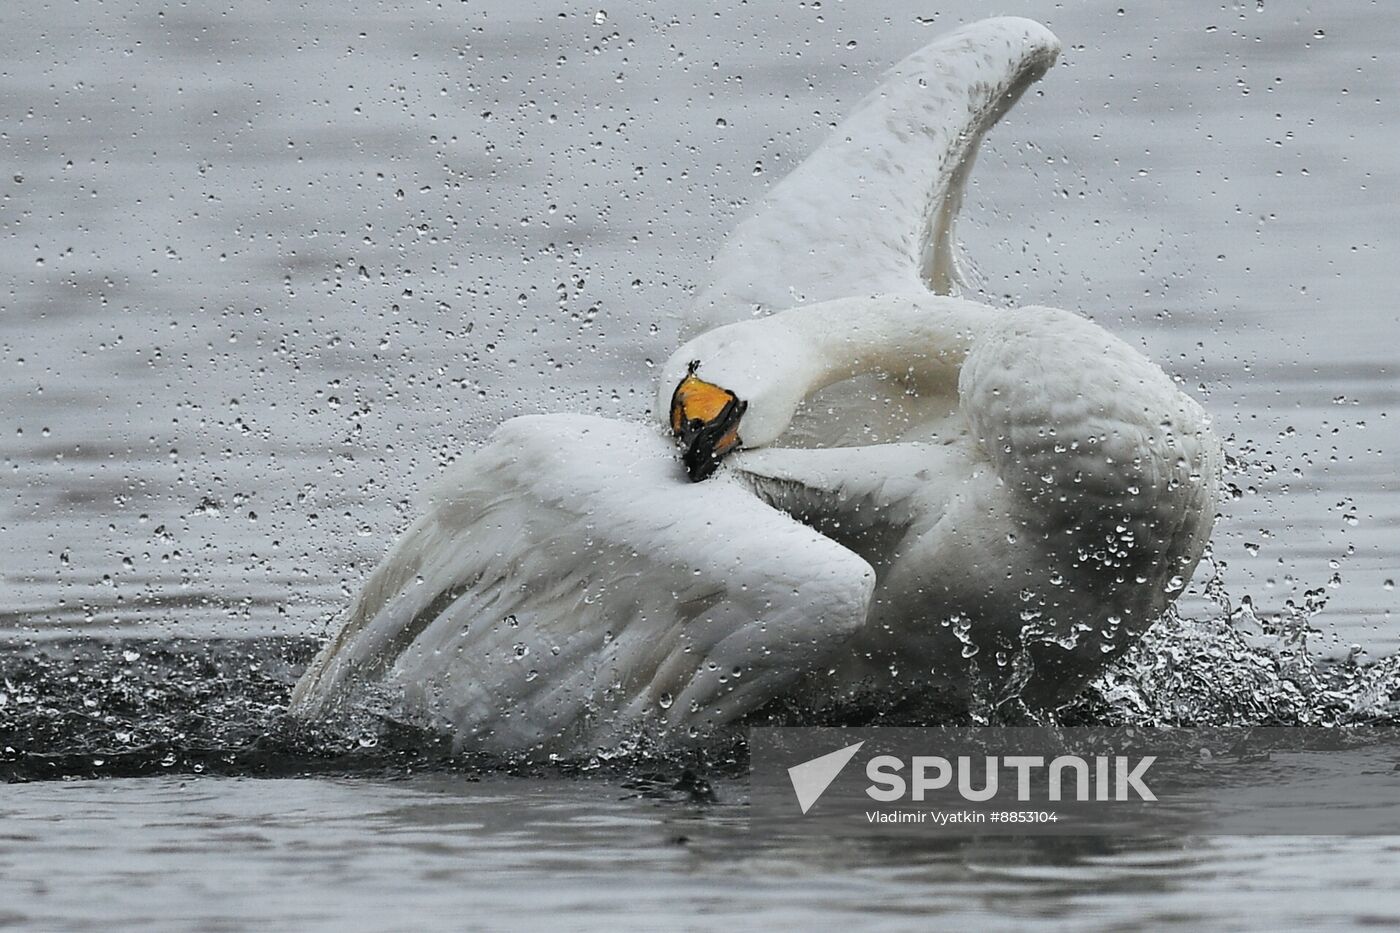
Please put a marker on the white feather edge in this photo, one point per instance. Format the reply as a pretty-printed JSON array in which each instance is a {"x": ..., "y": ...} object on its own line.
[{"x": 568, "y": 585}]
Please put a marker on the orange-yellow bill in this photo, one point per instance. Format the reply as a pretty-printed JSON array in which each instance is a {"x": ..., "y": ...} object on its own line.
[{"x": 705, "y": 417}]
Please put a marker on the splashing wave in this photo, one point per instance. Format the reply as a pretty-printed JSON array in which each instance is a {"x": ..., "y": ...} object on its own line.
[{"x": 88, "y": 708}]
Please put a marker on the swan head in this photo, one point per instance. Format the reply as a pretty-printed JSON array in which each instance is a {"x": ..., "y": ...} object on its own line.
[
  {"x": 705, "y": 419},
  {"x": 732, "y": 387}
]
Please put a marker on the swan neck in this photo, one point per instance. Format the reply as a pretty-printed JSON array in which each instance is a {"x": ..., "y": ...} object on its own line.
[{"x": 903, "y": 336}]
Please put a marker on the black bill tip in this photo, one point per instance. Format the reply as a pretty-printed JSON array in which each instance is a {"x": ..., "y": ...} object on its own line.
[{"x": 706, "y": 443}]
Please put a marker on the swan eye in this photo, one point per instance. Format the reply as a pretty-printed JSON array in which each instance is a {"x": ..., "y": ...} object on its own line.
[{"x": 705, "y": 417}]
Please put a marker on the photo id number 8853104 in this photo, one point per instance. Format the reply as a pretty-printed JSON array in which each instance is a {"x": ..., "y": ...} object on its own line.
[{"x": 1023, "y": 816}]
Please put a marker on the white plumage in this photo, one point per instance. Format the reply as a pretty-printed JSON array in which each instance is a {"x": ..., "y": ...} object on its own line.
[
  {"x": 568, "y": 583},
  {"x": 968, "y": 500},
  {"x": 871, "y": 211}
]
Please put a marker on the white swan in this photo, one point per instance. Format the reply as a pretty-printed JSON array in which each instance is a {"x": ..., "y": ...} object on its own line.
[{"x": 1025, "y": 495}]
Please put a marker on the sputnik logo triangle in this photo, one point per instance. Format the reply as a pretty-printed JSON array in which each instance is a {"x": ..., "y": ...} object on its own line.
[{"x": 811, "y": 778}]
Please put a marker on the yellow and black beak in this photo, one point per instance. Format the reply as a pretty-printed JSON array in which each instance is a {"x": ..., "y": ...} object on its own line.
[{"x": 706, "y": 419}]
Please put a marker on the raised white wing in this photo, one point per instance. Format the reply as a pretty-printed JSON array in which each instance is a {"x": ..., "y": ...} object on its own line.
[
  {"x": 871, "y": 211},
  {"x": 567, "y": 587}
]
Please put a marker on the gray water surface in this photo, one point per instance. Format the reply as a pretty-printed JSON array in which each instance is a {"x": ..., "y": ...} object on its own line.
[
  {"x": 265, "y": 269},
  {"x": 438, "y": 852}
]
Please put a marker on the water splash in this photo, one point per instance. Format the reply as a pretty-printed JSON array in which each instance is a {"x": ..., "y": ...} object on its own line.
[{"x": 89, "y": 708}]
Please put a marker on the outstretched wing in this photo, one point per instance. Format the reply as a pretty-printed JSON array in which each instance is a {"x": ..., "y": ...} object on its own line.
[
  {"x": 567, "y": 586},
  {"x": 871, "y": 211}
]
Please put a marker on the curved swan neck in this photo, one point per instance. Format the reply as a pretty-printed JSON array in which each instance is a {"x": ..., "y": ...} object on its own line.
[
  {"x": 774, "y": 362},
  {"x": 918, "y": 336}
]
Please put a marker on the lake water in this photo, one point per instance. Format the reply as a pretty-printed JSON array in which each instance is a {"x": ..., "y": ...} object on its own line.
[
  {"x": 435, "y": 852},
  {"x": 264, "y": 270}
]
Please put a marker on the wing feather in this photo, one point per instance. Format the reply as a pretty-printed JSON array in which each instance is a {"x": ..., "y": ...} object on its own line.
[
  {"x": 872, "y": 210},
  {"x": 567, "y": 586}
]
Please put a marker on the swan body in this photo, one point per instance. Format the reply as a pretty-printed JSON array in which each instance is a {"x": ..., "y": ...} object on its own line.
[
  {"x": 1038, "y": 511},
  {"x": 936, "y": 496}
]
